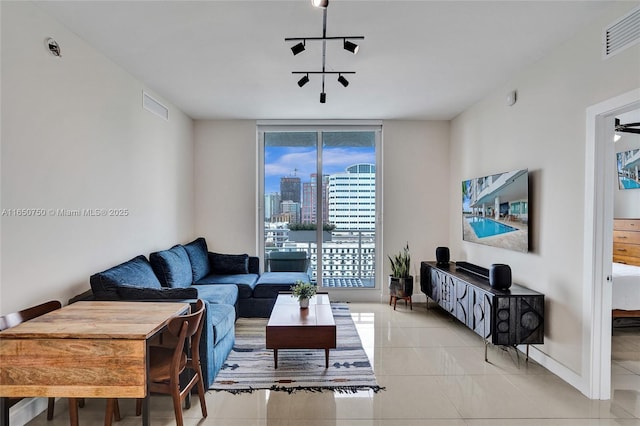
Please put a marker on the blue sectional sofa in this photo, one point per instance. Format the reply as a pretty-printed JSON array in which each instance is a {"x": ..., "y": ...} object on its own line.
[{"x": 230, "y": 286}]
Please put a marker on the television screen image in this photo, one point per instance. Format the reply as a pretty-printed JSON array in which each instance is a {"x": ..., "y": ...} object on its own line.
[
  {"x": 495, "y": 210},
  {"x": 628, "y": 169}
]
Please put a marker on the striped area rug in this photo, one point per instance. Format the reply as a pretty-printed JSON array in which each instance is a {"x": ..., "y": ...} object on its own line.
[{"x": 250, "y": 367}]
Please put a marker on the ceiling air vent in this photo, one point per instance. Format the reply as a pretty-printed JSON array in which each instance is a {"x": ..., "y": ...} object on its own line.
[
  {"x": 623, "y": 33},
  {"x": 154, "y": 106}
]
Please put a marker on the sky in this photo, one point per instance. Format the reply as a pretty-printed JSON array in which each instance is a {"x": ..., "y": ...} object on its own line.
[{"x": 301, "y": 161}]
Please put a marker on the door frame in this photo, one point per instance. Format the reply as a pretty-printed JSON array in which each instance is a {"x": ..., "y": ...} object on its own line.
[{"x": 598, "y": 240}]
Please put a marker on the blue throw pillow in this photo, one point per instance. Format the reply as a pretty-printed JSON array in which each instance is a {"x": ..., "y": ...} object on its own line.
[
  {"x": 136, "y": 272},
  {"x": 199, "y": 258},
  {"x": 172, "y": 267},
  {"x": 138, "y": 293},
  {"x": 229, "y": 264}
]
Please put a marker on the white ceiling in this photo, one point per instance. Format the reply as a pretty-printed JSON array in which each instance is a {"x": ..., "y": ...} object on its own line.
[{"x": 419, "y": 59}]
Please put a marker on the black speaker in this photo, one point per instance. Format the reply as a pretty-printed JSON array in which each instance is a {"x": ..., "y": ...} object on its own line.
[
  {"x": 500, "y": 276},
  {"x": 442, "y": 255}
]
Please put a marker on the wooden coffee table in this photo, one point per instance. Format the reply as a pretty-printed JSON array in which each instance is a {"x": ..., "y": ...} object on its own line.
[{"x": 290, "y": 327}]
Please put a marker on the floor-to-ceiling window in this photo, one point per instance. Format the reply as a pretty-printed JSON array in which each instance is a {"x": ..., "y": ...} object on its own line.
[{"x": 319, "y": 202}]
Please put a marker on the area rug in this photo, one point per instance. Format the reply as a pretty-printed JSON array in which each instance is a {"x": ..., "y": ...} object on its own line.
[{"x": 250, "y": 366}]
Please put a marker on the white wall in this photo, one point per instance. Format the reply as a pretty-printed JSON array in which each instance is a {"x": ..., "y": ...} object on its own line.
[
  {"x": 225, "y": 185},
  {"x": 544, "y": 132},
  {"x": 74, "y": 136},
  {"x": 415, "y": 192},
  {"x": 415, "y": 168}
]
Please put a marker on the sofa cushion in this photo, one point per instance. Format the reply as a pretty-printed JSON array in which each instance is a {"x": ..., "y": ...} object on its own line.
[
  {"x": 218, "y": 294},
  {"x": 271, "y": 283},
  {"x": 135, "y": 272},
  {"x": 199, "y": 258},
  {"x": 223, "y": 264},
  {"x": 222, "y": 319},
  {"x": 245, "y": 282},
  {"x": 105, "y": 291},
  {"x": 137, "y": 293},
  {"x": 172, "y": 267}
]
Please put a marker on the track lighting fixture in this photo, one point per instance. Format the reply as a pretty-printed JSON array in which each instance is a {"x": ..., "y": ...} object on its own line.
[
  {"x": 304, "y": 80},
  {"x": 298, "y": 48},
  {"x": 343, "y": 80},
  {"x": 346, "y": 43},
  {"x": 350, "y": 46}
]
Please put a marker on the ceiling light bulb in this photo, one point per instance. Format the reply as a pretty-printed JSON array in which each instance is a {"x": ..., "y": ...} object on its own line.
[
  {"x": 320, "y": 3},
  {"x": 304, "y": 80},
  {"x": 298, "y": 48},
  {"x": 351, "y": 47},
  {"x": 343, "y": 81},
  {"x": 323, "y": 98}
]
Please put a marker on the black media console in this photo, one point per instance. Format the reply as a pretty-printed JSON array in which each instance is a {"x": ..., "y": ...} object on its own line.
[{"x": 501, "y": 317}]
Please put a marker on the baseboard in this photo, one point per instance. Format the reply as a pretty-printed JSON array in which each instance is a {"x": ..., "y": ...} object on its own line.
[
  {"x": 26, "y": 410},
  {"x": 560, "y": 370}
]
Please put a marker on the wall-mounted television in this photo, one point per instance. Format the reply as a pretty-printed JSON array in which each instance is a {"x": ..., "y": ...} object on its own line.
[{"x": 495, "y": 210}]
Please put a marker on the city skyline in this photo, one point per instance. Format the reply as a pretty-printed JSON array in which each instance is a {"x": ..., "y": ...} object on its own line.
[{"x": 301, "y": 162}]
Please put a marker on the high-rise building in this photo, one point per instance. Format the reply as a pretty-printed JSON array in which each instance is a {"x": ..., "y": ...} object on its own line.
[
  {"x": 290, "y": 189},
  {"x": 310, "y": 199},
  {"x": 352, "y": 198},
  {"x": 289, "y": 212},
  {"x": 271, "y": 206}
]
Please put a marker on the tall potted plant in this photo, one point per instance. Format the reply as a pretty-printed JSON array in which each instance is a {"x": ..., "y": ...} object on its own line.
[{"x": 400, "y": 280}]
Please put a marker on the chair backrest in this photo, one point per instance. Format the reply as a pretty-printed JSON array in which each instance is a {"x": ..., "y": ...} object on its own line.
[
  {"x": 185, "y": 327},
  {"x": 288, "y": 261},
  {"x": 15, "y": 318}
]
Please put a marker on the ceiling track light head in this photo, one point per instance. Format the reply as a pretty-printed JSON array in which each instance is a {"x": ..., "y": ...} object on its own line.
[
  {"x": 323, "y": 98},
  {"x": 298, "y": 48},
  {"x": 343, "y": 80},
  {"x": 322, "y": 4},
  {"x": 304, "y": 80},
  {"x": 350, "y": 46}
]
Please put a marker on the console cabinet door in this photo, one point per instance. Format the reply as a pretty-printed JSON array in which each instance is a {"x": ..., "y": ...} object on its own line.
[
  {"x": 480, "y": 318},
  {"x": 448, "y": 297},
  {"x": 436, "y": 286},
  {"x": 462, "y": 301},
  {"x": 425, "y": 279},
  {"x": 530, "y": 320},
  {"x": 518, "y": 320}
]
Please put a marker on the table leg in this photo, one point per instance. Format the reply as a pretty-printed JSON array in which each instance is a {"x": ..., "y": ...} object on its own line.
[
  {"x": 73, "y": 411},
  {"x": 326, "y": 358},
  {"x": 146, "y": 411},
  {"x": 4, "y": 411},
  {"x": 275, "y": 358}
]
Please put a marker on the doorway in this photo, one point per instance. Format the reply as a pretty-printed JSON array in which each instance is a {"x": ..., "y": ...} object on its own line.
[{"x": 598, "y": 233}]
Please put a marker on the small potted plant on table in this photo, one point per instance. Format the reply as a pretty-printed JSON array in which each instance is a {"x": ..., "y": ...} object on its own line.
[
  {"x": 400, "y": 280},
  {"x": 303, "y": 291}
]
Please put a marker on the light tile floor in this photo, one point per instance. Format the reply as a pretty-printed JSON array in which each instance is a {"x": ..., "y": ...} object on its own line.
[{"x": 434, "y": 372}]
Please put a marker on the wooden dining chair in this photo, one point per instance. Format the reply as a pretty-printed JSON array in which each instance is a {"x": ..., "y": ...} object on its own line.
[
  {"x": 16, "y": 318},
  {"x": 168, "y": 361}
]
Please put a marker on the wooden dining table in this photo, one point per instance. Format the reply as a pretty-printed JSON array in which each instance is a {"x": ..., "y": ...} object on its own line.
[{"x": 83, "y": 350}]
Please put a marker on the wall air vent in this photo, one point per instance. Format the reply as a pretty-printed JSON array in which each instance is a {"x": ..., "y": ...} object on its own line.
[
  {"x": 152, "y": 105},
  {"x": 623, "y": 33}
]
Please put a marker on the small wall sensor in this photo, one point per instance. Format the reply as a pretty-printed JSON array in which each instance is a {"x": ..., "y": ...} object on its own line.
[
  {"x": 512, "y": 97},
  {"x": 53, "y": 47}
]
